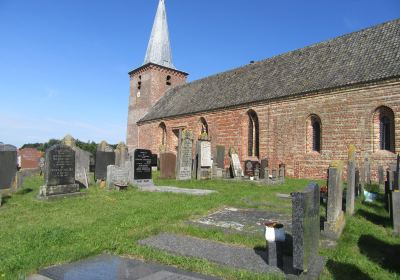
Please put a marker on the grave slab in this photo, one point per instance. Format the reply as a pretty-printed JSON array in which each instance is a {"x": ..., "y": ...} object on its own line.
[
  {"x": 223, "y": 254},
  {"x": 108, "y": 267},
  {"x": 247, "y": 221}
]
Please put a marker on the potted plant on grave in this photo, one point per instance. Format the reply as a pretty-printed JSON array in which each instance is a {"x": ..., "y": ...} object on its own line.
[{"x": 371, "y": 192}]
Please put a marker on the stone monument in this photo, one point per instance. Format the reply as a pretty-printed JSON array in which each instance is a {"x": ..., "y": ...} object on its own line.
[
  {"x": 351, "y": 180},
  {"x": 184, "y": 158},
  {"x": 121, "y": 154},
  {"x": 167, "y": 166},
  {"x": 142, "y": 168},
  {"x": 8, "y": 165},
  {"x": 204, "y": 162},
  {"x": 335, "y": 219},
  {"x": 105, "y": 156},
  {"x": 306, "y": 227},
  {"x": 59, "y": 173},
  {"x": 236, "y": 169},
  {"x": 117, "y": 177}
]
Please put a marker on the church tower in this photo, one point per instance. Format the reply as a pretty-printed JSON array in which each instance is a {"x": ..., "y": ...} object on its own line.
[{"x": 154, "y": 78}]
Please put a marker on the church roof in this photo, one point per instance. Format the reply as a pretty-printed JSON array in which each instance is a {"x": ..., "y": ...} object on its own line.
[
  {"x": 159, "y": 47},
  {"x": 368, "y": 55}
]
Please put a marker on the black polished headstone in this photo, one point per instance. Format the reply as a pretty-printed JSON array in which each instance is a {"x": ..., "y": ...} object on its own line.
[
  {"x": 154, "y": 160},
  {"x": 60, "y": 166},
  {"x": 8, "y": 165},
  {"x": 103, "y": 159},
  {"x": 142, "y": 164},
  {"x": 305, "y": 227}
]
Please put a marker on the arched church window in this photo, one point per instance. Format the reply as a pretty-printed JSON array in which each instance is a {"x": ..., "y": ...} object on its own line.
[
  {"x": 384, "y": 129},
  {"x": 253, "y": 134},
  {"x": 314, "y": 134}
]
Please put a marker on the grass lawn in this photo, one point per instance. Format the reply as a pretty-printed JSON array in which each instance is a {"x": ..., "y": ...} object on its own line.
[{"x": 35, "y": 234}]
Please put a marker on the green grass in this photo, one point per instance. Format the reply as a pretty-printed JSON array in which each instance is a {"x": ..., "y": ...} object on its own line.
[{"x": 36, "y": 234}]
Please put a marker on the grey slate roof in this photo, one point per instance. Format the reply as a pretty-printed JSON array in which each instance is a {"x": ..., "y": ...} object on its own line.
[{"x": 368, "y": 55}]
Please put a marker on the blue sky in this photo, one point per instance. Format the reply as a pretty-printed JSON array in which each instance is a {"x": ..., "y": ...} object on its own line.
[{"x": 64, "y": 63}]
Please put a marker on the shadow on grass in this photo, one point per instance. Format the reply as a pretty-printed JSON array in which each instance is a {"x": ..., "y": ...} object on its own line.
[
  {"x": 345, "y": 271},
  {"x": 374, "y": 218},
  {"x": 24, "y": 191},
  {"x": 384, "y": 254},
  {"x": 4, "y": 199}
]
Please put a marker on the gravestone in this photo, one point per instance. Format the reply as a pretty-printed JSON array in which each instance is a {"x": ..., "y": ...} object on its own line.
[
  {"x": 30, "y": 158},
  {"x": 351, "y": 185},
  {"x": 82, "y": 161},
  {"x": 105, "y": 156},
  {"x": 367, "y": 171},
  {"x": 142, "y": 167},
  {"x": 203, "y": 160},
  {"x": 220, "y": 157},
  {"x": 167, "y": 166},
  {"x": 184, "y": 159},
  {"x": 396, "y": 184},
  {"x": 263, "y": 168},
  {"x": 357, "y": 182},
  {"x": 335, "y": 221},
  {"x": 82, "y": 167},
  {"x": 396, "y": 212},
  {"x": 8, "y": 165},
  {"x": 248, "y": 168},
  {"x": 117, "y": 177},
  {"x": 59, "y": 172},
  {"x": 257, "y": 167},
  {"x": 154, "y": 160},
  {"x": 282, "y": 171},
  {"x": 235, "y": 163},
  {"x": 305, "y": 227},
  {"x": 381, "y": 176},
  {"x": 121, "y": 154}
]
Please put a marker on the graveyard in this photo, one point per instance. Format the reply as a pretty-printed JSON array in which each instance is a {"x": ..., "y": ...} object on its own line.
[{"x": 37, "y": 234}]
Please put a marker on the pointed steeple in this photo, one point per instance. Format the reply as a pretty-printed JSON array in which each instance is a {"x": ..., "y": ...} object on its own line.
[{"x": 159, "y": 48}]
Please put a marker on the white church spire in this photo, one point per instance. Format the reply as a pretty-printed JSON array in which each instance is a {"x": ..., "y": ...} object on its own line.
[{"x": 159, "y": 48}]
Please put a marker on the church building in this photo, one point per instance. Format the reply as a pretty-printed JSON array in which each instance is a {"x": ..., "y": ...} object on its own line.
[{"x": 302, "y": 108}]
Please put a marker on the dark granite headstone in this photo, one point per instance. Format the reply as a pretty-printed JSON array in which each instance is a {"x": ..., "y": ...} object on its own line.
[
  {"x": 154, "y": 160},
  {"x": 357, "y": 182},
  {"x": 59, "y": 172},
  {"x": 350, "y": 192},
  {"x": 103, "y": 159},
  {"x": 305, "y": 227},
  {"x": 8, "y": 165},
  {"x": 248, "y": 168},
  {"x": 221, "y": 156},
  {"x": 167, "y": 166},
  {"x": 264, "y": 165},
  {"x": 142, "y": 164}
]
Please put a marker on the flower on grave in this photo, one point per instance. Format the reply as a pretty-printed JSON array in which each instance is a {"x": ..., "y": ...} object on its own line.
[{"x": 162, "y": 148}]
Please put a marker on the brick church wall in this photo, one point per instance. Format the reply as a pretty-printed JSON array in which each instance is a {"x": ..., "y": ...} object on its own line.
[{"x": 348, "y": 116}]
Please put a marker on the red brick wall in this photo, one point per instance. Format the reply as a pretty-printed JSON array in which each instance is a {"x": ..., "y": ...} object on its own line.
[
  {"x": 347, "y": 117},
  {"x": 153, "y": 86}
]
